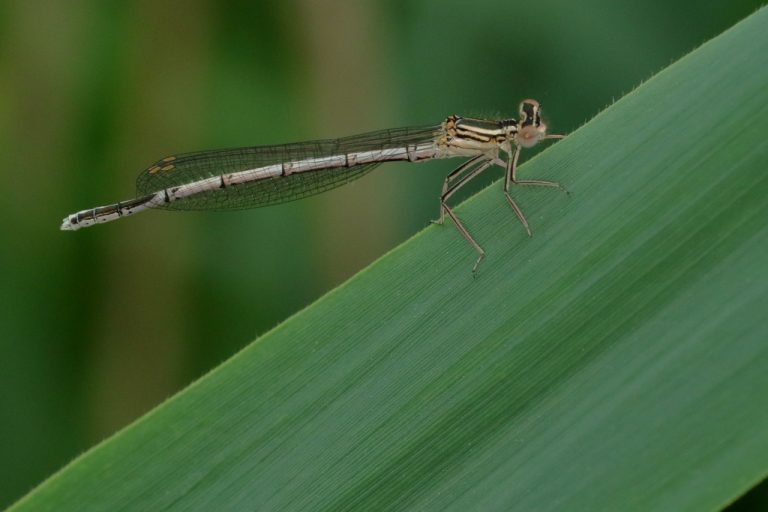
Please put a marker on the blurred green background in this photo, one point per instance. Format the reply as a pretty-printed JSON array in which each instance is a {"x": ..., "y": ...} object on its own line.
[{"x": 100, "y": 325}]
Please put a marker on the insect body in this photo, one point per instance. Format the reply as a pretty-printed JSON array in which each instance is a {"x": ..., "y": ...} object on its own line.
[{"x": 252, "y": 177}]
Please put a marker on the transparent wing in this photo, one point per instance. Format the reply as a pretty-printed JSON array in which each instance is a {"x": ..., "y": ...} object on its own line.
[{"x": 191, "y": 167}]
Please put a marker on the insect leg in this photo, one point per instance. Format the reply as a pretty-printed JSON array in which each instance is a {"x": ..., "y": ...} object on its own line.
[
  {"x": 448, "y": 191},
  {"x": 453, "y": 176}
]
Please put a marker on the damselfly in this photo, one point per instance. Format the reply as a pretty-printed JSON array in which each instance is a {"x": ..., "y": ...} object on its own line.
[{"x": 257, "y": 176}]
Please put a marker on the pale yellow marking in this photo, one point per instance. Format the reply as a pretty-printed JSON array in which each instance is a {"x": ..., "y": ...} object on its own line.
[
  {"x": 167, "y": 168},
  {"x": 169, "y": 159},
  {"x": 153, "y": 169}
]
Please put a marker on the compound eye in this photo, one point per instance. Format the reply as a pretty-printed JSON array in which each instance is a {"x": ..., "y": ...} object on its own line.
[{"x": 529, "y": 113}]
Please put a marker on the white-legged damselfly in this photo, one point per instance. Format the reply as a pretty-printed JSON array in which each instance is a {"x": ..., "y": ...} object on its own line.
[{"x": 257, "y": 176}]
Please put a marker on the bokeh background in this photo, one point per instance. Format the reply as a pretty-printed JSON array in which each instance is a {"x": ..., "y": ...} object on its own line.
[{"x": 100, "y": 325}]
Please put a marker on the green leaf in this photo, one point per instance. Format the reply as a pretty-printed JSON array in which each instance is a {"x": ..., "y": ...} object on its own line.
[{"x": 617, "y": 360}]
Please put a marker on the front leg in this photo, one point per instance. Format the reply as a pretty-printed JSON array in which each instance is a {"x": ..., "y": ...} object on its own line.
[{"x": 510, "y": 177}]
